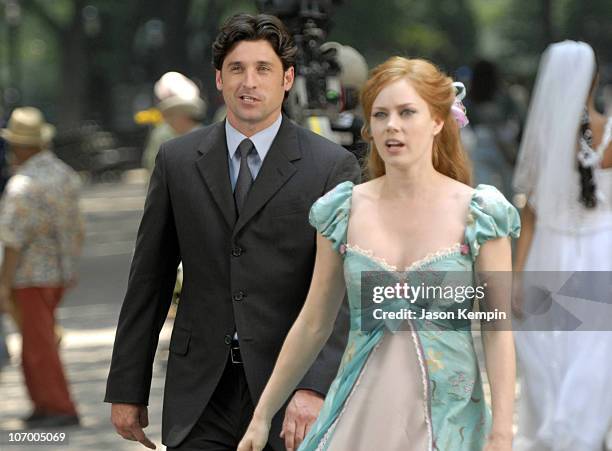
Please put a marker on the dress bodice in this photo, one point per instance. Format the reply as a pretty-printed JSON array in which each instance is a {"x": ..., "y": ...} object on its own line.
[
  {"x": 450, "y": 412},
  {"x": 490, "y": 216}
]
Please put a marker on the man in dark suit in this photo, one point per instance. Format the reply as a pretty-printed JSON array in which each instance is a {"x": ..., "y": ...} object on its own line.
[{"x": 231, "y": 201}]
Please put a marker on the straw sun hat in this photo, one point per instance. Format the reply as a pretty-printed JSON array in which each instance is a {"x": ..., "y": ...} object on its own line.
[{"x": 27, "y": 127}]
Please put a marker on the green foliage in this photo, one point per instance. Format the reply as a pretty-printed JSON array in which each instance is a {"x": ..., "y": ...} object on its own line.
[
  {"x": 58, "y": 57},
  {"x": 443, "y": 31},
  {"x": 591, "y": 21}
]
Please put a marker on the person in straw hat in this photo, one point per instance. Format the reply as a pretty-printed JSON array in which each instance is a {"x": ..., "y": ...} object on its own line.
[{"x": 41, "y": 229}]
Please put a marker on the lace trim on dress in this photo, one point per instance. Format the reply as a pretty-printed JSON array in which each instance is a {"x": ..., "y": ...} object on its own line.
[
  {"x": 430, "y": 258},
  {"x": 433, "y": 257},
  {"x": 425, "y": 380},
  {"x": 370, "y": 254}
]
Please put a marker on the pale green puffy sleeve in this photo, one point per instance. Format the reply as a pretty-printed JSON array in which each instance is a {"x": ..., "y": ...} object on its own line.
[
  {"x": 491, "y": 216},
  {"x": 330, "y": 213}
]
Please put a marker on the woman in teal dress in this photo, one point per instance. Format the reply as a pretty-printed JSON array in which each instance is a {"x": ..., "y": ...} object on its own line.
[{"x": 411, "y": 383}]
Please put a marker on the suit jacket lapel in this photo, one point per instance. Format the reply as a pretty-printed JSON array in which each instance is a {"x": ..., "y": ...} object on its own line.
[
  {"x": 277, "y": 168},
  {"x": 214, "y": 168}
]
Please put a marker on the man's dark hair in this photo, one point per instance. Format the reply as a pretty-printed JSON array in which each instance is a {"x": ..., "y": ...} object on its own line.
[{"x": 246, "y": 27}]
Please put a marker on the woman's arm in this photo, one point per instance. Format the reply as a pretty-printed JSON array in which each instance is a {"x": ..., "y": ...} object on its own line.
[
  {"x": 305, "y": 340},
  {"x": 494, "y": 264},
  {"x": 523, "y": 244}
]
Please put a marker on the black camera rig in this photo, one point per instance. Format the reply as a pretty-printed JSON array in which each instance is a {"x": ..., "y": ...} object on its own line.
[{"x": 318, "y": 99}]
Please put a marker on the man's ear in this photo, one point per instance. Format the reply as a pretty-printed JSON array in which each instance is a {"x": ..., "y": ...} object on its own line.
[
  {"x": 288, "y": 78},
  {"x": 218, "y": 79}
]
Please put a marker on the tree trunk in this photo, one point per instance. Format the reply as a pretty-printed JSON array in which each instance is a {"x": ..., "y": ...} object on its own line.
[
  {"x": 74, "y": 67},
  {"x": 74, "y": 70},
  {"x": 547, "y": 21},
  {"x": 175, "y": 15}
]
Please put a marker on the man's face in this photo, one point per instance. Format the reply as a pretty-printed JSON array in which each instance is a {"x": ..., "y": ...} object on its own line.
[
  {"x": 253, "y": 84},
  {"x": 19, "y": 153}
]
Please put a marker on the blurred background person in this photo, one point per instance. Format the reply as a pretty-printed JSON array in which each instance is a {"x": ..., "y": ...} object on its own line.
[
  {"x": 181, "y": 109},
  {"x": 42, "y": 231},
  {"x": 4, "y": 353},
  {"x": 495, "y": 122},
  {"x": 353, "y": 75},
  {"x": 565, "y": 169},
  {"x": 4, "y": 169}
]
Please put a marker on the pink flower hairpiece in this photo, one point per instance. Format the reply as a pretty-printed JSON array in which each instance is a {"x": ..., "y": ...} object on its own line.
[{"x": 458, "y": 110}]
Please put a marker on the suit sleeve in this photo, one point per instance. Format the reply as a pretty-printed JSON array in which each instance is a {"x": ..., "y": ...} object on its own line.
[
  {"x": 148, "y": 297},
  {"x": 322, "y": 372}
]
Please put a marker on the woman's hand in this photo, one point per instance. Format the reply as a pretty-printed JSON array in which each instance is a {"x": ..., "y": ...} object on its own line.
[
  {"x": 256, "y": 436},
  {"x": 498, "y": 443}
]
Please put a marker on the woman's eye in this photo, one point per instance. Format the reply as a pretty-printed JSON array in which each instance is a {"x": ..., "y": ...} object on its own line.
[
  {"x": 408, "y": 112},
  {"x": 379, "y": 115}
]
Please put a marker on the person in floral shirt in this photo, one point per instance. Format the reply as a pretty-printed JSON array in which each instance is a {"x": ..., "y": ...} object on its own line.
[{"x": 41, "y": 230}]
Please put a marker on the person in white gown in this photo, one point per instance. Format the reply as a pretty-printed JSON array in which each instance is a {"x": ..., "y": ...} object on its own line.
[{"x": 565, "y": 169}]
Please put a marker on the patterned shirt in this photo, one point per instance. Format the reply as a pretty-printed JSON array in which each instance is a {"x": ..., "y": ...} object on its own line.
[{"x": 39, "y": 216}]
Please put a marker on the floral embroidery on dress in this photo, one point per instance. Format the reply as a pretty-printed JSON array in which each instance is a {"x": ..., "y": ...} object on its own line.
[
  {"x": 434, "y": 360},
  {"x": 460, "y": 385}
]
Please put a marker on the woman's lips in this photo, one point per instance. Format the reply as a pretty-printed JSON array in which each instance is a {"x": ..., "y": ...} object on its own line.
[{"x": 393, "y": 145}]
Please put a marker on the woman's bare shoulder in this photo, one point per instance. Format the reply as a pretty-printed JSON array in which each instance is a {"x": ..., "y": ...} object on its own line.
[
  {"x": 368, "y": 189},
  {"x": 456, "y": 190}
]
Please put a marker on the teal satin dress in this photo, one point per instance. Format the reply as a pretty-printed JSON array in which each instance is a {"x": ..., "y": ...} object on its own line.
[{"x": 451, "y": 414}]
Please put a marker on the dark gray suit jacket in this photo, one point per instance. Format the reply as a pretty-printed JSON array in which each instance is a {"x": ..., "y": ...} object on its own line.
[{"x": 249, "y": 274}]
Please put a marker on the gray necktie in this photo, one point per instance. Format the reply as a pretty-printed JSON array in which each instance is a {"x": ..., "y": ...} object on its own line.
[{"x": 245, "y": 178}]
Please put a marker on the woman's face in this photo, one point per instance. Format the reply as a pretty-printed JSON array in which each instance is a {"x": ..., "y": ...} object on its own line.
[{"x": 402, "y": 126}]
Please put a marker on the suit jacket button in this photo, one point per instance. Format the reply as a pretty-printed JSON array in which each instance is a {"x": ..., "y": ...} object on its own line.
[
  {"x": 237, "y": 252},
  {"x": 239, "y": 296},
  {"x": 228, "y": 339}
]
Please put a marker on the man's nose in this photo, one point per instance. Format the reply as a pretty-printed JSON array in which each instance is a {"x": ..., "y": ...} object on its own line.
[{"x": 250, "y": 79}]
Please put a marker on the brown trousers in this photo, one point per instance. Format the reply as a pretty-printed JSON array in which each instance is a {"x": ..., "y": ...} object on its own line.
[{"x": 42, "y": 368}]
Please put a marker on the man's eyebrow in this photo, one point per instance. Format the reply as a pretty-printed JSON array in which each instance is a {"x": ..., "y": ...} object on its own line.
[{"x": 259, "y": 63}]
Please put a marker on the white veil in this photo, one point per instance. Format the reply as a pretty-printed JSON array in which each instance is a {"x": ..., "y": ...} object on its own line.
[{"x": 546, "y": 167}]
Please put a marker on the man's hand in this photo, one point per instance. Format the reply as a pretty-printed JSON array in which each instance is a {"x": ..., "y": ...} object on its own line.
[
  {"x": 129, "y": 421},
  {"x": 302, "y": 411}
]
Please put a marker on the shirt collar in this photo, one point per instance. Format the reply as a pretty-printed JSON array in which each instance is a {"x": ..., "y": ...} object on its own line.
[
  {"x": 262, "y": 140},
  {"x": 35, "y": 159}
]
